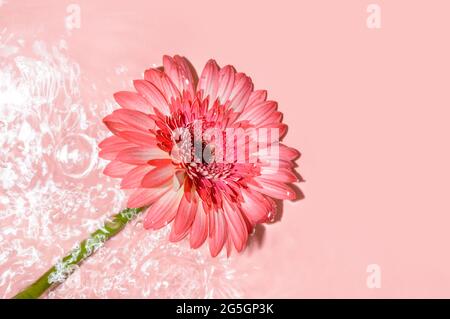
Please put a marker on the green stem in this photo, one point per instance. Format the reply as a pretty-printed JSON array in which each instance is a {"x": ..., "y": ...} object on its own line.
[{"x": 59, "y": 272}]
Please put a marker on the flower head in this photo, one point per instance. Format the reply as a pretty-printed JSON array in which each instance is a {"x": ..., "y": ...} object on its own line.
[{"x": 203, "y": 155}]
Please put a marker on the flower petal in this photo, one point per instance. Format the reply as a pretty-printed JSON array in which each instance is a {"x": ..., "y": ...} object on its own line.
[
  {"x": 154, "y": 96},
  {"x": 273, "y": 189},
  {"x": 135, "y": 119},
  {"x": 275, "y": 117},
  {"x": 226, "y": 83},
  {"x": 112, "y": 145},
  {"x": 163, "y": 83},
  {"x": 278, "y": 174},
  {"x": 133, "y": 178},
  {"x": 237, "y": 228},
  {"x": 240, "y": 94},
  {"x": 229, "y": 246},
  {"x": 178, "y": 70},
  {"x": 140, "y": 155},
  {"x": 174, "y": 237},
  {"x": 185, "y": 215},
  {"x": 255, "y": 98},
  {"x": 255, "y": 207},
  {"x": 288, "y": 153},
  {"x": 271, "y": 154},
  {"x": 140, "y": 138},
  {"x": 217, "y": 232},
  {"x": 132, "y": 101},
  {"x": 158, "y": 175},
  {"x": 258, "y": 114},
  {"x": 117, "y": 169},
  {"x": 199, "y": 229},
  {"x": 123, "y": 122},
  {"x": 145, "y": 196},
  {"x": 163, "y": 211},
  {"x": 111, "y": 141},
  {"x": 209, "y": 81}
]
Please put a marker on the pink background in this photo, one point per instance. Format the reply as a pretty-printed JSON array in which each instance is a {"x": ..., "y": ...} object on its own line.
[{"x": 368, "y": 109}]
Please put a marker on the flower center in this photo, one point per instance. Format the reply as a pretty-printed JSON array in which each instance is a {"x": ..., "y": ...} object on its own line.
[
  {"x": 193, "y": 151},
  {"x": 193, "y": 143}
]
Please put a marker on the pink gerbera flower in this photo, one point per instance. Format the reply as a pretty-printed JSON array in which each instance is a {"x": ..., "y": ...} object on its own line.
[{"x": 161, "y": 136}]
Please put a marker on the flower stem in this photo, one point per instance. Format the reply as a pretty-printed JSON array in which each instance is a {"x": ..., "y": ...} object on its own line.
[{"x": 59, "y": 272}]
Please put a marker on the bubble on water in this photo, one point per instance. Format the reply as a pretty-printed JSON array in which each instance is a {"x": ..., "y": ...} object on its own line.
[{"x": 75, "y": 155}]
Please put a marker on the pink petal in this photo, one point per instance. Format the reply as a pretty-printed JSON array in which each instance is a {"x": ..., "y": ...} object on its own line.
[
  {"x": 158, "y": 175},
  {"x": 133, "y": 178},
  {"x": 255, "y": 98},
  {"x": 152, "y": 95},
  {"x": 255, "y": 207},
  {"x": 134, "y": 119},
  {"x": 178, "y": 70},
  {"x": 209, "y": 81},
  {"x": 278, "y": 174},
  {"x": 115, "y": 126},
  {"x": 274, "y": 117},
  {"x": 276, "y": 163},
  {"x": 140, "y": 138},
  {"x": 160, "y": 162},
  {"x": 163, "y": 211},
  {"x": 282, "y": 128},
  {"x": 117, "y": 169},
  {"x": 140, "y": 155},
  {"x": 163, "y": 83},
  {"x": 258, "y": 114},
  {"x": 185, "y": 215},
  {"x": 229, "y": 246},
  {"x": 240, "y": 94},
  {"x": 284, "y": 153},
  {"x": 132, "y": 101},
  {"x": 110, "y": 141},
  {"x": 237, "y": 228},
  {"x": 112, "y": 147},
  {"x": 226, "y": 83},
  {"x": 175, "y": 237},
  {"x": 288, "y": 153},
  {"x": 199, "y": 230},
  {"x": 217, "y": 232},
  {"x": 145, "y": 196},
  {"x": 123, "y": 122},
  {"x": 273, "y": 189}
]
